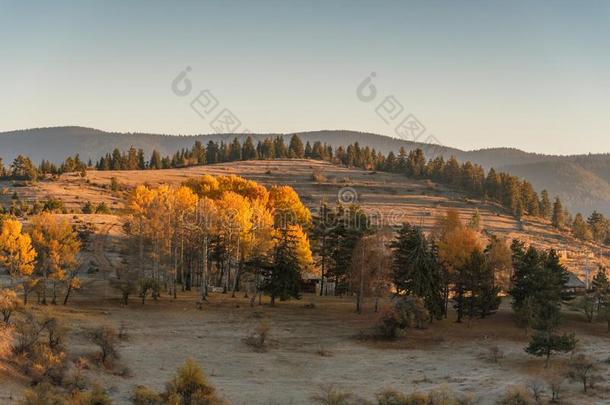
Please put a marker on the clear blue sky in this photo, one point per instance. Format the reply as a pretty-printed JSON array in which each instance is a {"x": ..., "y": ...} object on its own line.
[{"x": 529, "y": 74}]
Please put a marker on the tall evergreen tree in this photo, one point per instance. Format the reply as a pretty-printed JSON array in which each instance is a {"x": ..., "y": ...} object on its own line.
[
  {"x": 558, "y": 219},
  {"x": 283, "y": 275},
  {"x": 248, "y": 150},
  {"x": 296, "y": 149},
  {"x": 416, "y": 269}
]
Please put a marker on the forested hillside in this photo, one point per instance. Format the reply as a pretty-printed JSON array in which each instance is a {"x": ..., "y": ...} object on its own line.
[{"x": 583, "y": 181}]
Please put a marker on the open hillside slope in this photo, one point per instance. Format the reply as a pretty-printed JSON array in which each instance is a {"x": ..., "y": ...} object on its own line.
[
  {"x": 578, "y": 178},
  {"x": 390, "y": 199}
]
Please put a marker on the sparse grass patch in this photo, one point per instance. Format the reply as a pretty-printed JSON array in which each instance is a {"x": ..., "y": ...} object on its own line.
[
  {"x": 516, "y": 395},
  {"x": 329, "y": 394}
]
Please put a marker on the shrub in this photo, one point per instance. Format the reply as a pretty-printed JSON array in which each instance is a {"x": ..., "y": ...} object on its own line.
[
  {"x": 106, "y": 338},
  {"x": 412, "y": 312},
  {"x": 8, "y": 304},
  {"x": 494, "y": 354},
  {"x": 102, "y": 208},
  {"x": 87, "y": 208},
  {"x": 6, "y": 340},
  {"x": 29, "y": 330},
  {"x": 97, "y": 396},
  {"x": 76, "y": 380},
  {"x": 584, "y": 370},
  {"x": 43, "y": 394},
  {"x": 440, "y": 396},
  {"x": 331, "y": 395},
  {"x": 388, "y": 324},
  {"x": 190, "y": 386},
  {"x": 318, "y": 176},
  {"x": 46, "y": 364},
  {"x": 53, "y": 205},
  {"x": 444, "y": 396},
  {"x": 536, "y": 388},
  {"x": 516, "y": 396},
  {"x": 555, "y": 381},
  {"x": 145, "y": 396},
  {"x": 114, "y": 184},
  {"x": 258, "y": 338},
  {"x": 393, "y": 397}
]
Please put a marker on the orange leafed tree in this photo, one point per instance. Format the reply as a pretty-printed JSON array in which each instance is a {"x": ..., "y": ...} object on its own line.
[
  {"x": 17, "y": 254},
  {"x": 58, "y": 246},
  {"x": 456, "y": 243}
]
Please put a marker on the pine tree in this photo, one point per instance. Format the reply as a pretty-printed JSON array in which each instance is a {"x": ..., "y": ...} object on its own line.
[
  {"x": 280, "y": 150},
  {"x": 416, "y": 269},
  {"x": 538, "y": 291},
  {"x": 308, "y": 151},
  {"x": 283, "y": 275},
  {"x": 235, "y": 151},
  {"x": 155, "y": 160},
  {"x": 248, "y": 150},
  {"x": 212, "y": 153},
  {"x": 558, "y": 218},
  {"x": 295, "y": 149},
  {"x": 580, "y": 229},
  {"x": 601, "y": 289},
  {"x": 545, "y": 205}
]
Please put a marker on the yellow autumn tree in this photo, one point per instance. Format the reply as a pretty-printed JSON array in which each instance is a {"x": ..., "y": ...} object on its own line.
[
  {"x": 184, "y": 205},
  {"x": 235, "y": 216},
  {"x": 58, "y": 246},
  {"x": 301, "y": 247},
  {"x": 287, "y": 207},
  {"x": 139, "y": 203},
  {"x": 17, "y": 254},
  {"x": 223, "y": 224}
]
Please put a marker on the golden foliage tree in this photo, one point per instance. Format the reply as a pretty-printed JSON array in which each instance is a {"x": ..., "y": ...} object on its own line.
[
  {"x": 17, "y": 254},
  {"x": 58, "y": 247},
  {"x": 226, "y": 220}
]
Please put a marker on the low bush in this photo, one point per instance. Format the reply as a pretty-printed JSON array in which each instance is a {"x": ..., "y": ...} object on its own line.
[
  {"x": 106, "y": 338},
  {"x": 516, "y": 395},
  {"x": 331, "y": 395},
  {"x": 258, "y": 338},
  {"x": 190, "y": 386},
  {"x": 145, "y": 396}
]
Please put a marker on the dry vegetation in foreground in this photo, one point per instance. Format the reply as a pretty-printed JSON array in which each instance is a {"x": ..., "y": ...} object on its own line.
[{"x": 484, "y": 360}]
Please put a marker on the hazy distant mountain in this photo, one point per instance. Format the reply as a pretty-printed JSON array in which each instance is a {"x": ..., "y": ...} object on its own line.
[{"x": 583, "y": 181}]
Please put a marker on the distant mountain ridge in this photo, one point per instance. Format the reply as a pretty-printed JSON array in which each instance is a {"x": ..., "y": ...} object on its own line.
[{"x": 582, "y": 181}]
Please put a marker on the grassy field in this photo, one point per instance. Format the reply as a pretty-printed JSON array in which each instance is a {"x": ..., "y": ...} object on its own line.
[{"x": 311, "y": 346}]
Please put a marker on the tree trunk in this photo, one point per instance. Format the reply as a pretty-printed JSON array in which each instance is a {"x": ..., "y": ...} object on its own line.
[
  {"x": 175, "y": 278},
  {"x": 26, "y": 291},
  {"x": 204, "y": 270},
  {"x": 54, "y": 301},
  {"x": 141, "y": 249},
  {"x": 44, "y": 288},
  {"x": 323, "y": 266},
  {"x": 68, "y": 293}
]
